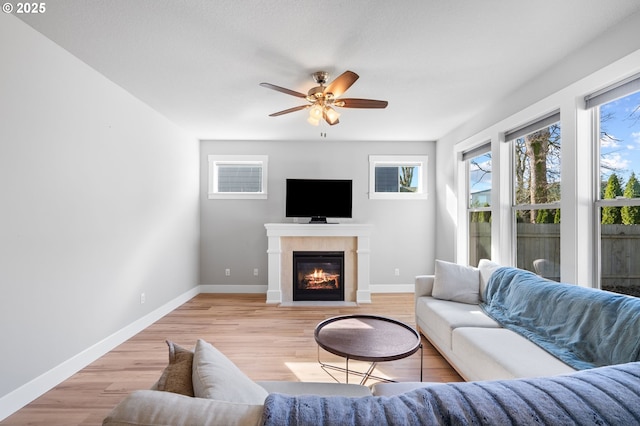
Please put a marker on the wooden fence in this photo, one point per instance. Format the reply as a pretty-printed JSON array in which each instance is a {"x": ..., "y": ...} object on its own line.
[
  {"x": 620, "y": 251},
  {"x": 620, "y": 258}
]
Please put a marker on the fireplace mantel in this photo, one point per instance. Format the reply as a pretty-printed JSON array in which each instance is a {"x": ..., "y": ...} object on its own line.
[{"x": 277, "y": 231}]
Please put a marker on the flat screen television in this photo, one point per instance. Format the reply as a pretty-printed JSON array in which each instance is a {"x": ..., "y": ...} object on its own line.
[{"x": 318, "y": 199}]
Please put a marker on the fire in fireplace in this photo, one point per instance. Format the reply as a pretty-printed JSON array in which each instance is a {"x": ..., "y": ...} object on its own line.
[{"x": 318, "y": 275}]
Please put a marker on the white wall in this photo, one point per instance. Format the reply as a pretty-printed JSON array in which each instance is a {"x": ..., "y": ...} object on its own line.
[
  {"x": 99, "y": 201},
  {"x": 233, "y": 234},
  {"x": 601, "y": 62}
]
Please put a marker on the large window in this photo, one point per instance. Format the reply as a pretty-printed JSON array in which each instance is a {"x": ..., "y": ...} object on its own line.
[
  {"x": 617, "y": 209},
  {"x": 478, "y": 167},
  {"x": 536, "y": 195},
  {"x": 237, "y": 176}
]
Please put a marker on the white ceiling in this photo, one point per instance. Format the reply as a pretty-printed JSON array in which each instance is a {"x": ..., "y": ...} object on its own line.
[{"x": 438, "y": 63}]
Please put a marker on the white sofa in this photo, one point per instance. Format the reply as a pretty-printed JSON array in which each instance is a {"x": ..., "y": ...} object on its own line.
[{"x": 473, "y": 343}]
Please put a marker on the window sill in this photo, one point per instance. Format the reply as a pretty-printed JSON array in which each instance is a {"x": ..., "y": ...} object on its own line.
[{"x": 237, "y": 196}]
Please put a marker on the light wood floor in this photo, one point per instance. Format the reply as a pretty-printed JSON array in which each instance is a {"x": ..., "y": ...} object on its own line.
[{"x": 267, "y": 342}]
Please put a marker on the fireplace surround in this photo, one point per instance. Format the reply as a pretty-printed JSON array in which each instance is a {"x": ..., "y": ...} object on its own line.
[{"x": 284, "y": 238}]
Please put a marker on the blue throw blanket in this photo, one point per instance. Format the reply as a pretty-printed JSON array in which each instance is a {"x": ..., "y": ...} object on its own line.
[
  {"x": 600, "y": 396},
  {"x": 581, "y": 326}
]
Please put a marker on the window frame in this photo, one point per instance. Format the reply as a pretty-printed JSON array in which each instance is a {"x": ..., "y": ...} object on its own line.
[
  {"x": 215, "y": 161},
  {"x": 419, "y": 161}
]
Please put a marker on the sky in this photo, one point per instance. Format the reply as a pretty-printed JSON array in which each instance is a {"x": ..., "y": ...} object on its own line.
[
  {"x": 622, "y": 151},
  {"x": 479, "y": 176}
]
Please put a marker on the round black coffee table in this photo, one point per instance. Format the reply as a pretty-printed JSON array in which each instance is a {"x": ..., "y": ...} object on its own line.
[{"x": 368, "y": 338}]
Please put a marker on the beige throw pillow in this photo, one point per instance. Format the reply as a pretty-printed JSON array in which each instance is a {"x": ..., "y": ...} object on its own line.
[
  {"x": 457, "y": 283},
  {"x": 216, "y": 377},
  {"x": 176, "y": 377}
]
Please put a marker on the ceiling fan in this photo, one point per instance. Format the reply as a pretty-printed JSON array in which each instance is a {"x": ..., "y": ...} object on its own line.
[{"x": 322, "y": 99}]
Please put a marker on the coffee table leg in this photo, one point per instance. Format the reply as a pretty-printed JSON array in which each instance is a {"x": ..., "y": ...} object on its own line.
[
  {"x": 421, "y": 360},
  {"x": 326, "y": 367},
  {"x": 366, "y": 375},
  {"x": 347, "y": 370}
]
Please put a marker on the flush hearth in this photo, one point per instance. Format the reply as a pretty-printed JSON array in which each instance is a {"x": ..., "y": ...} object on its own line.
[{"x": 318, "y": 276}]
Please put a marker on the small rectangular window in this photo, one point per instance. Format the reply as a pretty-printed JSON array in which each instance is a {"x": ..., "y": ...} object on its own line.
[
  {"x": 238, "y": 176},
  {"x": 397, "y": 177}
]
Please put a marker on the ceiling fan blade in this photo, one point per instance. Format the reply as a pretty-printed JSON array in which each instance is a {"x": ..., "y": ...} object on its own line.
[
  {"x": 287, "y": 111},
  {"x": 360, "y": 103},
  {"x": 341, "y": 83},
  {"x": 283, "y": 90}
]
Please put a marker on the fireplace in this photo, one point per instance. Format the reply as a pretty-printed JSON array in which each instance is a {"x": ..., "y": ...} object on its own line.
[{"x": 318, "y": 275}]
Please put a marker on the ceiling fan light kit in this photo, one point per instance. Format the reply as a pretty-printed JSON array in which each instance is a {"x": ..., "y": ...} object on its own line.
[{"x": 323, "y": 98}]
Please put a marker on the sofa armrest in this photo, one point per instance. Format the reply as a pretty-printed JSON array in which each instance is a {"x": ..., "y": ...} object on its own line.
[
  {"x": 149, "y": 408},
  {"x": 315, "y": 388},
  {"x": 424, "y": 285}
]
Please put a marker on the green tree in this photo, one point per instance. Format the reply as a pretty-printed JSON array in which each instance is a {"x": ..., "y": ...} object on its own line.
[
  {"x": 612, "y": 215},
  {"x": 631, "y": 214},
  {"x": 481, "y": 216},
  {"x": 544, "y": 216}
]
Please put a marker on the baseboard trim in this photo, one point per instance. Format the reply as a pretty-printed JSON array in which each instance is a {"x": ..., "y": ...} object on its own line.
[
  {"x": 28, "y": 392},
  {"x": 231, "y": 288}
]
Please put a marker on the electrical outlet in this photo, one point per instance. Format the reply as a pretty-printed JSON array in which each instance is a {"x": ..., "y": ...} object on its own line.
[
  {"x": 397, "y": 272},
  {"x": 227, "y": 272},
  {"x": 255, "y": 272},
  {"x": 143, "y": 298}
]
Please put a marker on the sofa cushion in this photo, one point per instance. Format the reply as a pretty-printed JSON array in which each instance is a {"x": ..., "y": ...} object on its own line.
[
  {"x": 153, "y": 408},
  {"x": 440, "y": 317},
  {"x": 216, "y": 377},
  {"x": 176, "y": 377},
  {"x": 486, "y": 268},
  {"x": 499, "y": 353},
  {"x": 456, "y": 282}
]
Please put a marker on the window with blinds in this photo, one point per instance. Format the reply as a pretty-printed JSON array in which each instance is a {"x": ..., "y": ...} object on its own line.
[{"x": 237, "y": 176}]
